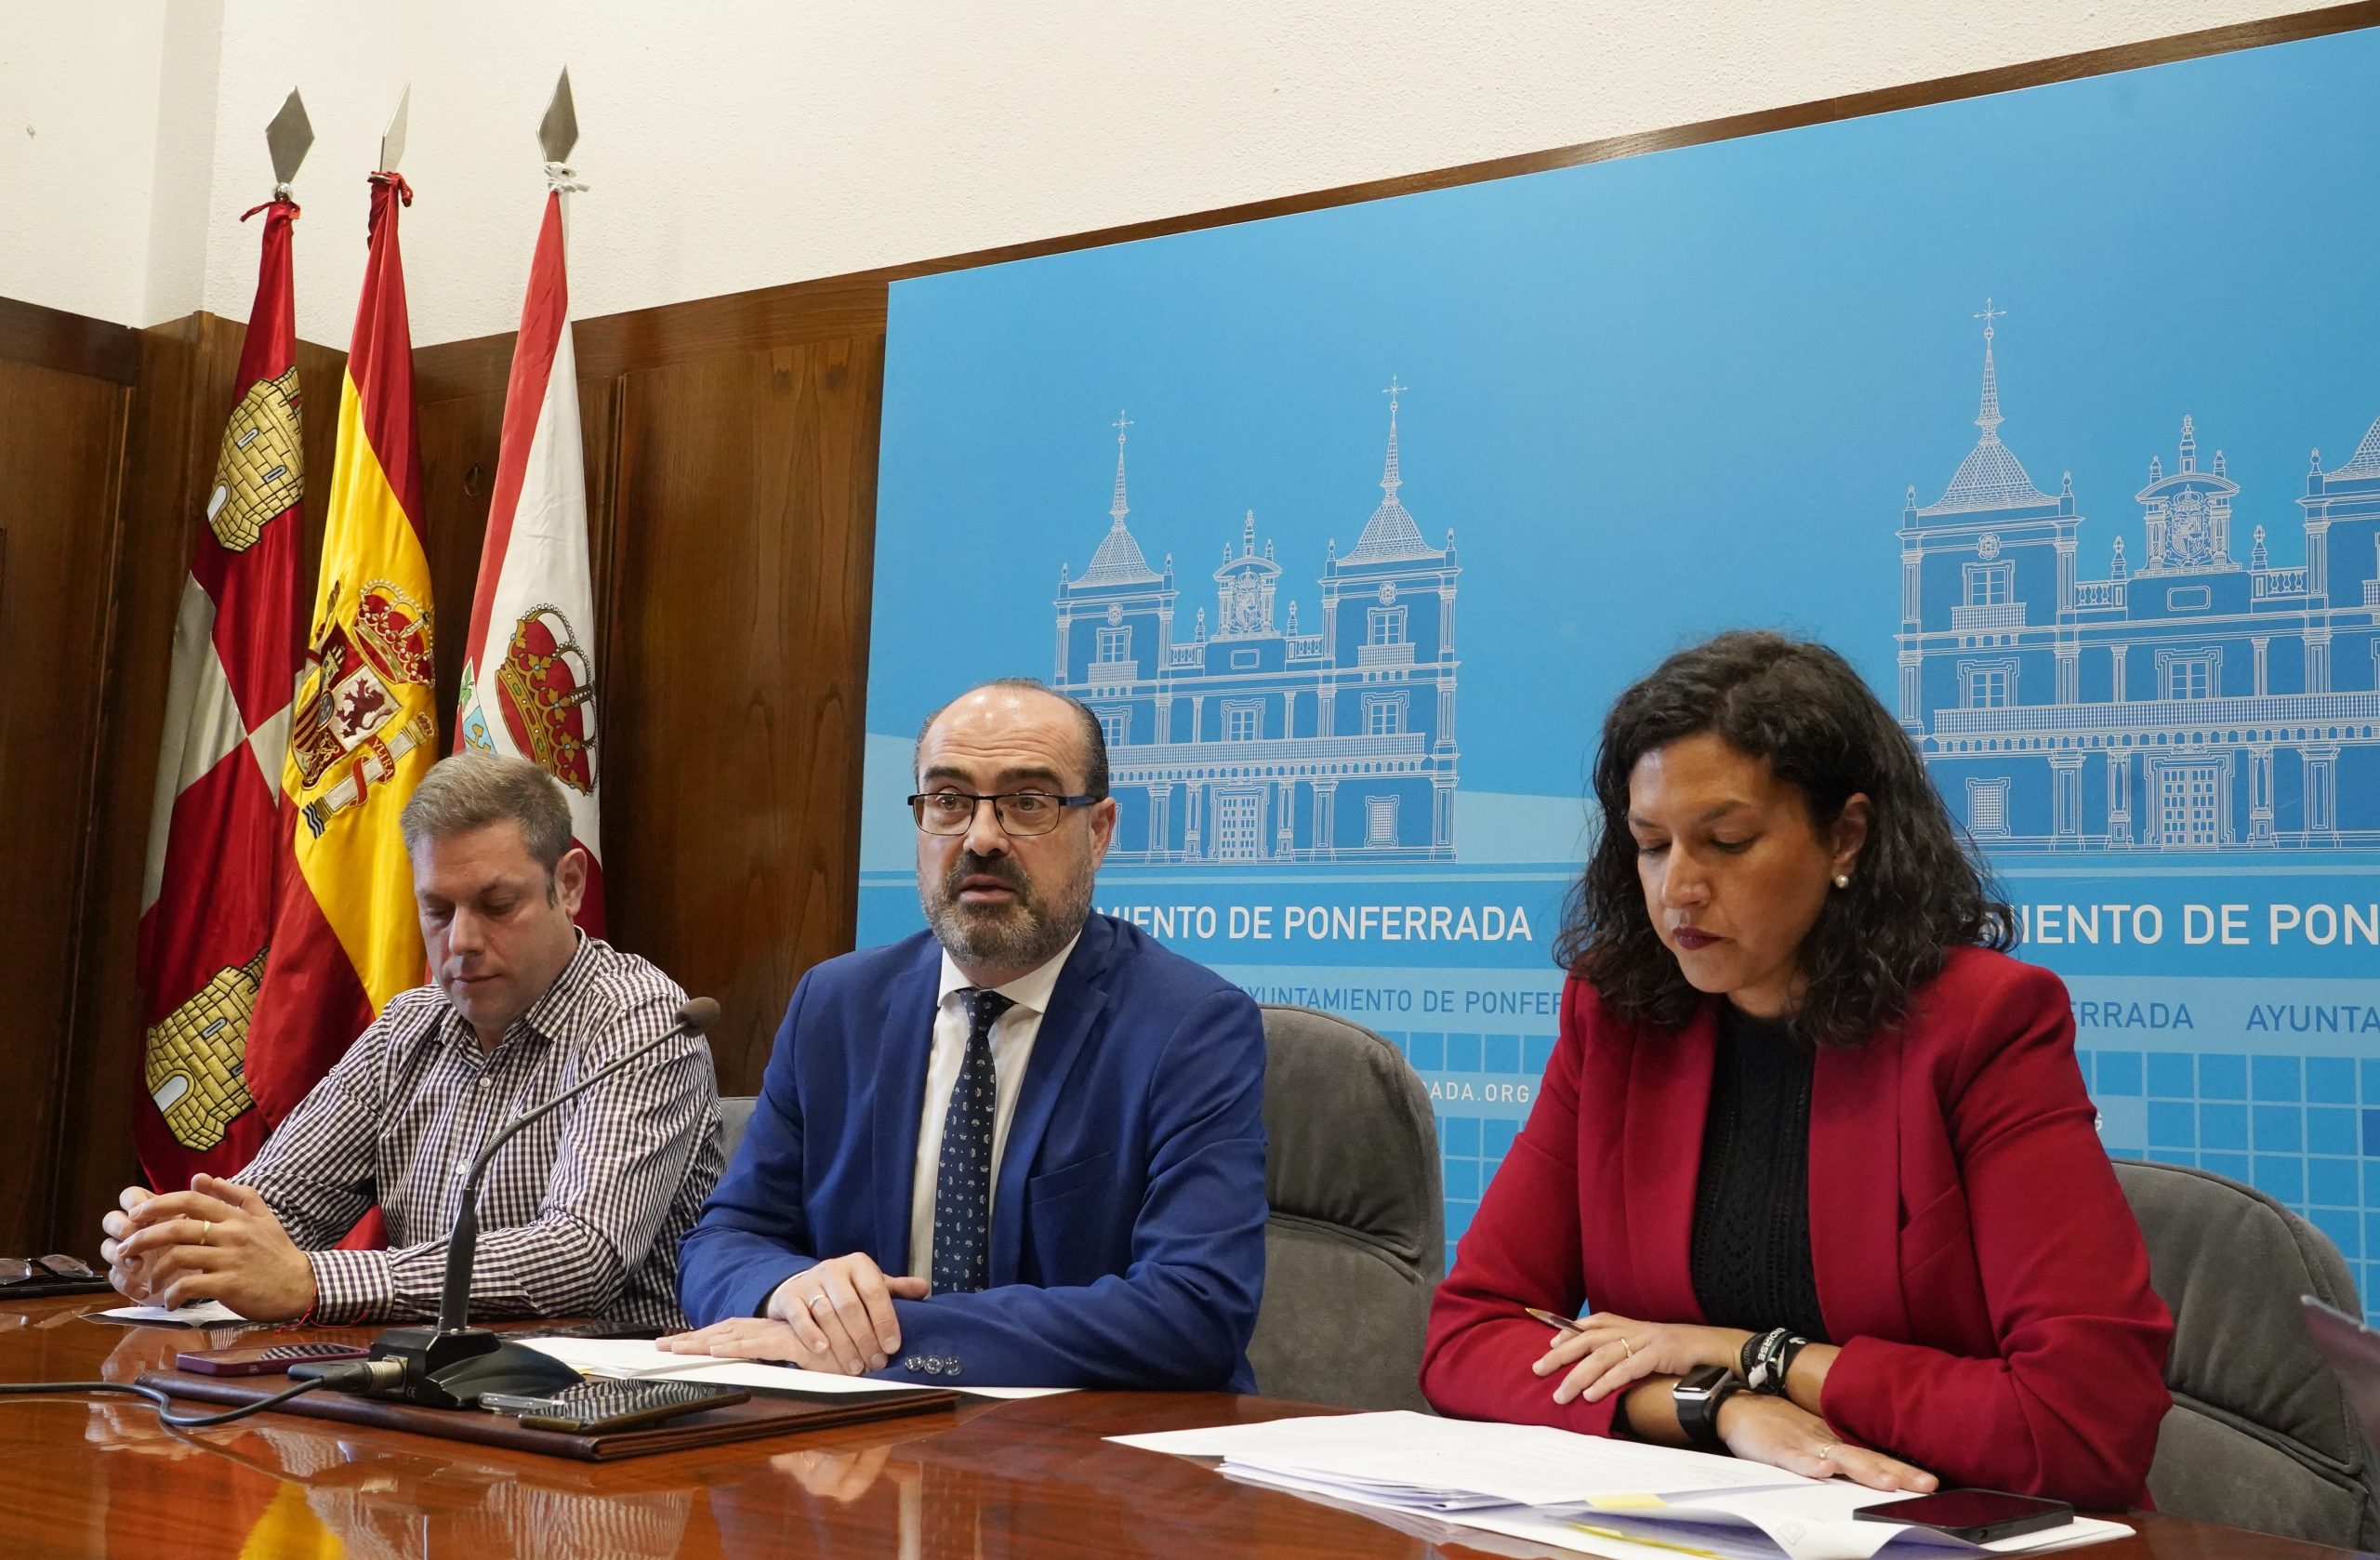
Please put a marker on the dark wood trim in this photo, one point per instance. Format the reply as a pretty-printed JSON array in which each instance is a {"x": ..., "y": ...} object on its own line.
[
  {"x": 796, "y": 314},
  {"x": 855, "y": 302},
  {"x": 48, "y": 338}
]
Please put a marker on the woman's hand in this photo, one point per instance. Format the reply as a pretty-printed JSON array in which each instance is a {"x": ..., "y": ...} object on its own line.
[
  {"x": 1611, "y": 1352},
  {"x": 1784, "y": 1434}
]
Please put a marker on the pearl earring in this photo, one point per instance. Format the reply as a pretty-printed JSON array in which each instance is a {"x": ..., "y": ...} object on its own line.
[{"x": 1842, "y": 880}]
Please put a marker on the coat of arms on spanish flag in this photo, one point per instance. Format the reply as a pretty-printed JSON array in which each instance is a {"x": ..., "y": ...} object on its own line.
[{"x": 363, "y": 728}]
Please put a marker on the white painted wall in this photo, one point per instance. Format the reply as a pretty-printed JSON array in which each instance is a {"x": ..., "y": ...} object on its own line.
[
  {"x": 739, "y": 144},
  {"x": 78, "y": 133}
]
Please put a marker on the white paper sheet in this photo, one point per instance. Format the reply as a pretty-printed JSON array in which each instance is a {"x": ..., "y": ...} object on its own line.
[
  {"x": 634, "y": 1357},
  {"x": 204, "y": 1313},
  {"x": 1767, "y": 1535},
  {"x": 1536, "y": 1483},
  {"x": 1429, "y": 1463}
]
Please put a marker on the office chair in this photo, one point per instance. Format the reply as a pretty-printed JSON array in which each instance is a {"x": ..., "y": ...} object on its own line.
[{"x": 1356, "y": 1241}]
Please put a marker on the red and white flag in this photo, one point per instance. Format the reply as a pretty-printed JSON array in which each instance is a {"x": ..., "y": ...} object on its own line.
[
  {"x": 529, "y": 662},
  {"x": 216, "y": 849}
]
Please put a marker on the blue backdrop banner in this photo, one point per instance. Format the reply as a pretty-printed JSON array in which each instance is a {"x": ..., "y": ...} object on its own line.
[{"x": 2053, "y": 411}]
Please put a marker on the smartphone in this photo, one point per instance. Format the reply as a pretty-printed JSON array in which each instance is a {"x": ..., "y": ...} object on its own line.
[
  {"x": 596, "y": 1407},
  {"x": 272, "y": 1361},
  {"x": 1977, "y": 1515}
]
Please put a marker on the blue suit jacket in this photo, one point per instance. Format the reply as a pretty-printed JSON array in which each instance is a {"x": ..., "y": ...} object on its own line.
[{"x": 1128, "y": 1219}]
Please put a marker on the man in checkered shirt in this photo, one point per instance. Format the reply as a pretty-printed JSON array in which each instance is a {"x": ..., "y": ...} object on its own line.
[{"x": 581, "y": 1212}]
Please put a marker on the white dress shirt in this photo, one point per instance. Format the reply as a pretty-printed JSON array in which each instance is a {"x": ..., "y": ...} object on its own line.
[{"x": 1012, "y": 1035}]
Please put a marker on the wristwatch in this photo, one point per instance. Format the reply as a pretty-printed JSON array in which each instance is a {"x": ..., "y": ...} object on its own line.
[{"x": 1697, "y": 1397}]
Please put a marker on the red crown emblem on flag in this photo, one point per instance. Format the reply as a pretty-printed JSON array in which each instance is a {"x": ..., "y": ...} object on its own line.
[
  {"x": 393, "y": 630},
  {"x": 547, "y": 691}
]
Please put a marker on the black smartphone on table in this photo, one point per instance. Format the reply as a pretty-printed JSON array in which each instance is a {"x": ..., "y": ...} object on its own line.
[
  {"x": 1977, "y": 1515},
  {"x": 594, "y": 1408}
]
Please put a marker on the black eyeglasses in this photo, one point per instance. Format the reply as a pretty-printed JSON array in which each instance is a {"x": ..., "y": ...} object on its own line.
[
  {"x": 1019, "y": 812},
  {"x": 18, "y": 1270}
]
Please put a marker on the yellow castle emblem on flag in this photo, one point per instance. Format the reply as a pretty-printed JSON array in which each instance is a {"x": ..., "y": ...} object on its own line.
[
  {"x": 261, "y": 470},
  {"x": 198, "y": 1054}
]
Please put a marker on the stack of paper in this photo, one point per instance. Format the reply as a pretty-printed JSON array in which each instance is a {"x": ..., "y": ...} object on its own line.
[
  {"x": 1601, "y": 1496},
  {"x": 1429, "y": 1464},
  {"x": 627, "y": 1357}
]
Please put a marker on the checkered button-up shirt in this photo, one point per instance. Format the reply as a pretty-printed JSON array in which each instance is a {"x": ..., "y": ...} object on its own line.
[{"x": 581, "y": 1214}]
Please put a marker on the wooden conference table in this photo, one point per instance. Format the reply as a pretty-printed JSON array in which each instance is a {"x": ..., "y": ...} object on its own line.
[{"x": 1028, "y": 1479}]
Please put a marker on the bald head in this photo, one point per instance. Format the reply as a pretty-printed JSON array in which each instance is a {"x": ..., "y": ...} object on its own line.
[{"x": 1006, "y": 700}]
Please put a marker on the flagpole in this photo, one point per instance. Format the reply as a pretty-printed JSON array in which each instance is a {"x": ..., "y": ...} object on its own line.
[
  {"x": 217, "y": 854},
  {"x": 529, "y": 684}
]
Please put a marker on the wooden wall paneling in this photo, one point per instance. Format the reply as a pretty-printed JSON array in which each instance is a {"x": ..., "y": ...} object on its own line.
[
  {"x": 609, "y": 345},
  {"x": 459, "y": 447},
  {"x": 62, "y": 440},
  {"x": 186, "y": 388},
  {"x": 737, "y": 674},
  {"x": 179, "y": 363},
  {"x": 42, "y": 337},
  {"x": 599, "y": 430}
]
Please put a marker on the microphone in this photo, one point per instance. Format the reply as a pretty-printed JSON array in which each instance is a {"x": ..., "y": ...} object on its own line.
[{"x": 450, "y": 1364}]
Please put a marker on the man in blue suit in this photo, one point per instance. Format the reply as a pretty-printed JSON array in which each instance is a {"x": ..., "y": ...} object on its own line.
[{"x": 1025, "y": 1149}]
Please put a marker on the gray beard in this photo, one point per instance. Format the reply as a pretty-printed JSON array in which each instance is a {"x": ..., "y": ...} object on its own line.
[{"x": 1016, "y": 936}]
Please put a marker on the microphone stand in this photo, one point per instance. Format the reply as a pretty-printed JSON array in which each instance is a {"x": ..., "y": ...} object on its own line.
[{"x": 450, "y": 1364}]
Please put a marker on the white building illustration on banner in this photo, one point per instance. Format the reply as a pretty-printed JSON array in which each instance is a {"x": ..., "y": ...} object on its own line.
[
  {"x": 1242, "y": 738},
  {"x": 2196, "y": 699}
]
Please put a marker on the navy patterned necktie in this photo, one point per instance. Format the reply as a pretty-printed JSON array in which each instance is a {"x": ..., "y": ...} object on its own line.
[{"x": 963, "y": 1187}]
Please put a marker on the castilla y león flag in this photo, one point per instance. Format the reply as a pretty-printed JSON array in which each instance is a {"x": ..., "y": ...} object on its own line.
[
  {"x": 215, "y": 846},
  {"x": 363, "y": 728},
  {"x": 529, "y": 663}
]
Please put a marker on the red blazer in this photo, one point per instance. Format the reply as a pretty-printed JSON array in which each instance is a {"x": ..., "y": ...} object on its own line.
[{"x": 1975, "y": 1256}]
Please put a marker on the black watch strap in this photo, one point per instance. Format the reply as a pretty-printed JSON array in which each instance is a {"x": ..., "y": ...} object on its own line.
[{"x": 1696, "y": 1398}]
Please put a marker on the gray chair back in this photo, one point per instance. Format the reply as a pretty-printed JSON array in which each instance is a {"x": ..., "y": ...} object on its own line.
[
  {"x": 2260, "y": 1434},
  {"x": 1357, "y": 1237},
  {"x": 735, "y": 1114}
]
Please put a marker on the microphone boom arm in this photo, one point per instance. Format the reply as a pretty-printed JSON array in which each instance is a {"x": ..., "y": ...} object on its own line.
[
  {"x": 462, "y": 1244},
  {"x": 449, "y": 1365}
]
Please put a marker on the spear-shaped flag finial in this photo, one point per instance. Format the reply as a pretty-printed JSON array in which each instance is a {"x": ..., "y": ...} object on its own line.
[
  {"x": 557, "y": 132},
  {"x": 287, "y": 137},
  {"x": 392, "y": 140}
]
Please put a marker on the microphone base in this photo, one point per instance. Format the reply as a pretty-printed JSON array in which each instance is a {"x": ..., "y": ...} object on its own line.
[{"x": 450, "y": 1369}]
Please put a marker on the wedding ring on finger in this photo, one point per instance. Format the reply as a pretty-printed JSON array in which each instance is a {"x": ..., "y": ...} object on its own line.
[
  {"x": 206, "y": 1232},
  {"x": 819, "y": 1303},
  {"x": 1629, "y": 1348}
]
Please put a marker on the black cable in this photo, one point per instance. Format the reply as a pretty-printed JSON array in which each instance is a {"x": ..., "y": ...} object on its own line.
[{"x": 165, "y": 1414}]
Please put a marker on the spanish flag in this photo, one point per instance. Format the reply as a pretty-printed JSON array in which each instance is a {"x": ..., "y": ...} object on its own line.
[{"x": 362, "y": 730}]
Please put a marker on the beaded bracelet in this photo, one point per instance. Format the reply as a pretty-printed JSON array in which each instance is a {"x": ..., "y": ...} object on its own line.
[{"x": 1767, "y": 1357}]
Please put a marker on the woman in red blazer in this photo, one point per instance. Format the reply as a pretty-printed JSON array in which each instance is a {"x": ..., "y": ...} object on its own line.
[{"x": 1817, "y": 1152}]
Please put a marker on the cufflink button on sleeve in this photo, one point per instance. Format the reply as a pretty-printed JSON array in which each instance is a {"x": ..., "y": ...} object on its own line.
[{"x": 910, "y": 1362}]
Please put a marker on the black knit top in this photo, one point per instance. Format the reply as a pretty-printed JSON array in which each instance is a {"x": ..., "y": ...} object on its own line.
[{"x": 1749, "y": 1254}]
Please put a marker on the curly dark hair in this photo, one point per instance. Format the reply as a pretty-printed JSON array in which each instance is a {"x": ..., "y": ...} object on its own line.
[{"x": 1920, "y": 890}]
